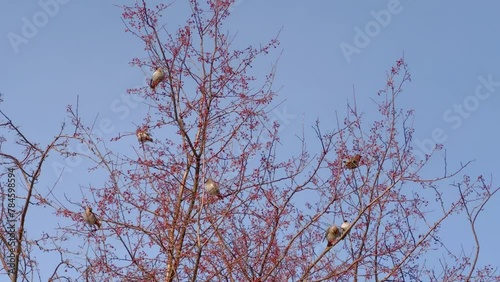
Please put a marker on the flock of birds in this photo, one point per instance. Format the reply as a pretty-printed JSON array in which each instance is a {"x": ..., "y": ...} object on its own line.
[{"x": 212, "y": 188}]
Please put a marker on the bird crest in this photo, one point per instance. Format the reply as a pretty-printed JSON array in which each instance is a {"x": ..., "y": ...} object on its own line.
[{"x": 90, "y": 218}]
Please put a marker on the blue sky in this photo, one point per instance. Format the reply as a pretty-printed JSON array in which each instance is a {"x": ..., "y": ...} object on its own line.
[{"x": 82, "y": 49}]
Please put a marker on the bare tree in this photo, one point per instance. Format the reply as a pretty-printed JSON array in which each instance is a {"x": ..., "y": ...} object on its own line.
[{"x": 22, "y": 162}]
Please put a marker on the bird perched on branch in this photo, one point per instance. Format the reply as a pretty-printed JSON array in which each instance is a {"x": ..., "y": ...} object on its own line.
[
  {"x": 332, "y": 234},
  {"x": 158, "y": 76},
  {"x": 212, "y": 188},
  {"x": 90, "y": 218},
  {"x": 344, "y": 226},
  {"x": 353, "y": 162},
  {"x": 143, "y": 135}
]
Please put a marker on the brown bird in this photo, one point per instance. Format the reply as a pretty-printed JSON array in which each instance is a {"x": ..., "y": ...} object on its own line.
[
  {"x": 212, "y": 188},
  {"x": 158, "y": 76},
  {"x": 143, "y": 135},
  {"x": 332, "y": 234},
  {"x": 90, "y": 218},
  {"x": 353, "y": 162}
]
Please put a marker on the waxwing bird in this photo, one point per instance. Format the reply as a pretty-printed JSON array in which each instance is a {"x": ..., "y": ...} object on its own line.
[
  {"x": 143, "y": 135},
  {"x": 332, "y": 234},
  {"x": 344, "y": 226},
  {"x": 212, "y": 188},
  {"x": 158, "y": 76},
  {"x": 353, "y": 162},
  {"x": 90, "y": 218}
]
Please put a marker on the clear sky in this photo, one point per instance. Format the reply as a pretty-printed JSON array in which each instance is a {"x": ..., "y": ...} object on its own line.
[{"x": 452, "y": 48}]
